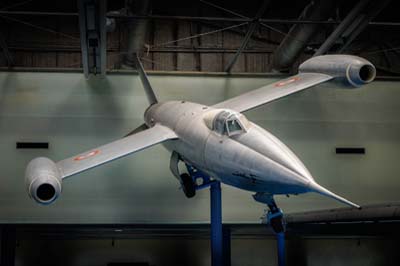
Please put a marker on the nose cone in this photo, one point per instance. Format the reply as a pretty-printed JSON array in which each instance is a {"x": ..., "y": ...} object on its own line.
[
  {"x": 292, "y": 168},
  {"x": 268, "y": 145}
]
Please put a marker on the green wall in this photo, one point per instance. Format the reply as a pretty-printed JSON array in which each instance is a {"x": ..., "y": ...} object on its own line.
[{"x": 74, "y": 115}]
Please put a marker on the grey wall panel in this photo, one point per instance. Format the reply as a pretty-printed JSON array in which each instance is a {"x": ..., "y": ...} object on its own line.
[
  {"x": 196, "y": 252},
  {"x": 74, "y": 115}
]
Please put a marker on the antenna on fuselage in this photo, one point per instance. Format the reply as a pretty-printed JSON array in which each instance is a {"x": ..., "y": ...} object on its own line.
[{"x": 145, "y": 81}]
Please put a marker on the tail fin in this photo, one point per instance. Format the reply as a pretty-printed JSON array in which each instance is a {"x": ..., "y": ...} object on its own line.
[
  {"x": 319, "y": 189},
  {"x": 145, "y": 81}
]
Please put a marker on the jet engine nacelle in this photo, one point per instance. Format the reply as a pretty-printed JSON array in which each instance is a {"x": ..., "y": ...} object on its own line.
[
  {"x": 354, "y": 70},
  {"x": 43, "y": 180}
]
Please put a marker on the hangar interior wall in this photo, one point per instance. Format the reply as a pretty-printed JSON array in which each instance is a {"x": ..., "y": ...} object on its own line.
[
  {"x": 195, "y": 252},
  {"x": 74, "y": 115}
]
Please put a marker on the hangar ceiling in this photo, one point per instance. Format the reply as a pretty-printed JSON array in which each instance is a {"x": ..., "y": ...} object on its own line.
[{"x": 263, "y": 36}]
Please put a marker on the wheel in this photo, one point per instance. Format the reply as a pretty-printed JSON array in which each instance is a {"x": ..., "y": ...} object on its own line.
[{"x": 188, "y": 185}]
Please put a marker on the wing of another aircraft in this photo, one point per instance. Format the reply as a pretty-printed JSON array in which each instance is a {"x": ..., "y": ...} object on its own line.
[
  {"x": 114, "y": 150},
  {"x": 274, "y": 91}
]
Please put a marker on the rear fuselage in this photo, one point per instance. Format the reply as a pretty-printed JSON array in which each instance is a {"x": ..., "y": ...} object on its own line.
[{"x": 253, "y": 160}]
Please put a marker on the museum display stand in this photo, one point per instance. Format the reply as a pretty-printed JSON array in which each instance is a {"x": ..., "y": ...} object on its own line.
[{"x": 220, "y": 235}]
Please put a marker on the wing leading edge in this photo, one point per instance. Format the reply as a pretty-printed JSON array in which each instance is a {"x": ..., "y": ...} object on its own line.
[
  {"x": 114, "y": 150},
  {"x": 274, "y": 91}
]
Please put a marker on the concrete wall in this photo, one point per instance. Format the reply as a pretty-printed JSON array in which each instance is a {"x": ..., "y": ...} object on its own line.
[
  {"x": 75, "y": 115},
  {"x": 195, "y": 252}
]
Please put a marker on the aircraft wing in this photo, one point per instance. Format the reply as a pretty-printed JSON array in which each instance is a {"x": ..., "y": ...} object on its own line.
[
  {"x": 114, "y": 150},
  {"x": 274, "y": 91}
]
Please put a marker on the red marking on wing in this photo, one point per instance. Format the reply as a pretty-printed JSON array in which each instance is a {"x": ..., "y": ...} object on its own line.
[
  {"x": 286, "y": 82},
  {"x": 87, "y": 155}
]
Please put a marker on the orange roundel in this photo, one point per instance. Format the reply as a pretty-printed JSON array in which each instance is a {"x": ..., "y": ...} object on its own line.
[
  {"x": 286, "y": 82},
  {"x": 87, "y": 155}
]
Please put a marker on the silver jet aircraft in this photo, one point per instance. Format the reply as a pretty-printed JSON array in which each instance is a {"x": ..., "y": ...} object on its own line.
[{"x": 217, "y": 141}]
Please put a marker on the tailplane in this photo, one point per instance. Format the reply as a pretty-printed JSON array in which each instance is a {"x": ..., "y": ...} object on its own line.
[{"x": 145, "y": 81}]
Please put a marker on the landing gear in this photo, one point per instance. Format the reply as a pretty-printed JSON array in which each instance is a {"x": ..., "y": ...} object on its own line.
[
  {"x": 275, "y": 219},
  {"x": 187, "y": 180},
  {"x": 188, "y": 185},
  {"x": 192, "y": 180}
]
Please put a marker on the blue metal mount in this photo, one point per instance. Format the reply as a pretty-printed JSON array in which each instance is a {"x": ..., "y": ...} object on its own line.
[
  {"x": 216, "y": 225},
  {"x": 219, "y": 254},
  {"x": 280, "y": 240},
  {"x": 275, "y": 219},
  {"x": 206, "y": 181},
  {"x": 217, "y": 236}
]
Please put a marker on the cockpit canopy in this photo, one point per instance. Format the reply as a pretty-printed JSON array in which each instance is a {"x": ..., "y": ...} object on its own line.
[{"x": 229, "y": 123}]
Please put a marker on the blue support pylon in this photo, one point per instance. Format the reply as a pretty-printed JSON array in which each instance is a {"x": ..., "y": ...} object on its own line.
[
  {"x": 274, "y": 217},
  {"x": 219, "y": 252},
  {"x": 280, "y": 240},
  {"x": 216, "y": 225}
]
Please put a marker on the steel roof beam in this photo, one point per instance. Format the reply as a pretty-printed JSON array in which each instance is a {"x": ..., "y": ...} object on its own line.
[
  {"x": 252, "y": 27},
  {"x": 299, "y": 36},
  {"x": 190, "y": 18},
  {"x": 372, "y": 11},
  {"x": 341, "y": 27}
]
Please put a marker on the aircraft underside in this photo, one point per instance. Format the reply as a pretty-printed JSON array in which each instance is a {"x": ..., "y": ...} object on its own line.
[{"x": 234, "y": 177}]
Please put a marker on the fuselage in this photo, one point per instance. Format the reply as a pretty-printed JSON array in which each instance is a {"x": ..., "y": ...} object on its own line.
[{"x": 225, "y": 145}]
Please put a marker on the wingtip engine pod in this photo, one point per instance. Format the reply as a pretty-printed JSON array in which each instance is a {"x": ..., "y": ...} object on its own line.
[
  {"x": 43, "y": 180},
  {"x": 353, "y": 71}
]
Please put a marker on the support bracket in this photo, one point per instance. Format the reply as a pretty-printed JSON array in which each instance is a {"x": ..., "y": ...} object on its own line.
[{"x": 206, "y": 180}]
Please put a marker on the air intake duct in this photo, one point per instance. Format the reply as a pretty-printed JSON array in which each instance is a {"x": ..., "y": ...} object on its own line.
[{"x": 43, "y": 180}]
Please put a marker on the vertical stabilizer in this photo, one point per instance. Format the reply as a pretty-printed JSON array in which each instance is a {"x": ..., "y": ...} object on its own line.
[{"x": 145, "y": 81}]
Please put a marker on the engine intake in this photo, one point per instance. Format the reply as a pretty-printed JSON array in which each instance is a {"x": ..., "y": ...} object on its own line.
[
  {"x": 43, "y": 180},
  {"x": 353, "y": 70}
]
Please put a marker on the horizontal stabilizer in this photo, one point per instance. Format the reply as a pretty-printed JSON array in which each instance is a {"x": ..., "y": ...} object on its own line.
[{"x": 319, "y": 189}]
